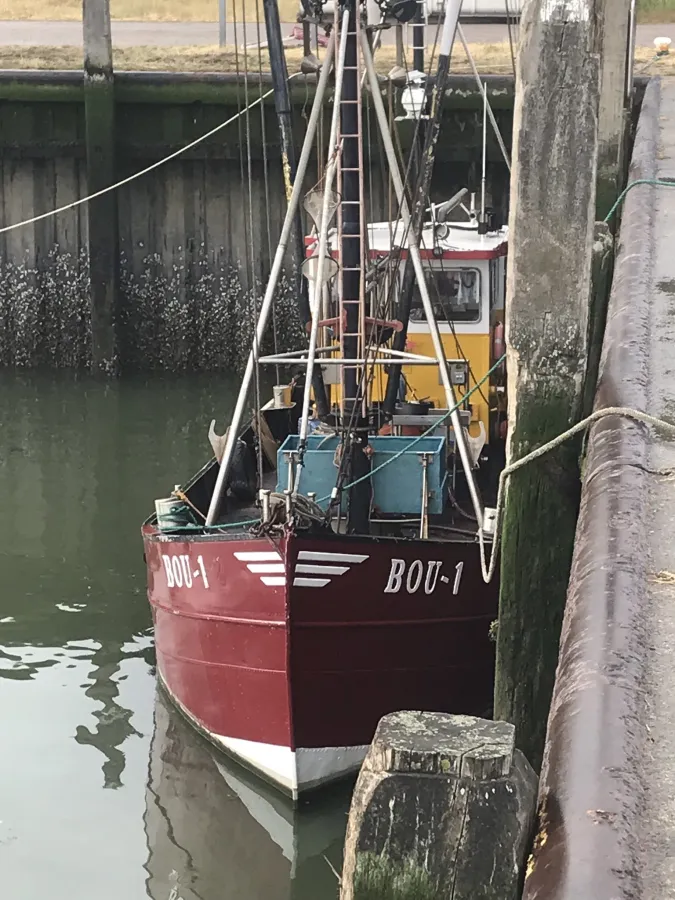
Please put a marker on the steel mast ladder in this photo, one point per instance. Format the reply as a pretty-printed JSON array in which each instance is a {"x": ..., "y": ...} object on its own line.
[{"x": 351, "y": 224}]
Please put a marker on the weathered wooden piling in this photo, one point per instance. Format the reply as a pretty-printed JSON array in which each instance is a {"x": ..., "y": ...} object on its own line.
[
  {"x": 617, "y": 36},
  {"x": 443, "y": 808},
  {"x": 602, "y": 268},
  {"x": 553, "y": 192},
  {"x": 99, "y": 104}
]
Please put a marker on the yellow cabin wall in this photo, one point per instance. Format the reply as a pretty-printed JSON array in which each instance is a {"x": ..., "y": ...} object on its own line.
[
  {"x": 473, "y": 345},
  {"x": 424, "y": 380}
]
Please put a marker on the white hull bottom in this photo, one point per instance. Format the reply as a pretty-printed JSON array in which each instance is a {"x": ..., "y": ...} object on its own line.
[{"x": 293, "y": 771}]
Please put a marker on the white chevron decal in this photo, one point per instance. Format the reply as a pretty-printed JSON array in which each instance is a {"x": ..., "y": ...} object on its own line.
[
  {"x": 266, "y": 564},
  {"x": 316, "y": 562},
  {"x": 314, "y": 568}
]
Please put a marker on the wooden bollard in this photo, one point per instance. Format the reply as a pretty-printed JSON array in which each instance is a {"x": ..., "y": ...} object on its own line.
[
  {"x": 443, "y": 808},
  {"x": 617, "y": 42},
  {"x": 99, "y": 109}
]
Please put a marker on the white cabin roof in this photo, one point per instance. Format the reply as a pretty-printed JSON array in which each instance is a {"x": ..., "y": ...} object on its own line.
[{"x": 461, "y": 241}]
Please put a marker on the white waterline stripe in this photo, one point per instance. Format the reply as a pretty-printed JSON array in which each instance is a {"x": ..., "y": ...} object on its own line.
[
  {"x": 273, "y": 580},
  {"x": 267, "y": 568}
]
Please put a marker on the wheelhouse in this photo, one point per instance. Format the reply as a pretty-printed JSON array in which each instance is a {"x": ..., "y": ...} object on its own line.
[{"x": 466, "y": 276}]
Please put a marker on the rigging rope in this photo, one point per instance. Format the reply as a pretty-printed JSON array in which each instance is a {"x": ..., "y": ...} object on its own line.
[
  {"x": 250, "y": 246},
  {"x": 130, "y": 178},
  {"x": 263, "y": 132},
  {"x": 483, "y": 89},
  {"x": 511, "y": 41},
  {"x": 201, "y": 527}
]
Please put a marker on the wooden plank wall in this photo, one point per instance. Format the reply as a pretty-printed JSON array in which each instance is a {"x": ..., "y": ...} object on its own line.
[{"x": 186, "y": 272}]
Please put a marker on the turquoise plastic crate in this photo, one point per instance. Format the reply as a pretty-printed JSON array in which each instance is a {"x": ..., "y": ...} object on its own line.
[
  {"x": 397, "y": 488},
  {"x": 319, "y": 473}
]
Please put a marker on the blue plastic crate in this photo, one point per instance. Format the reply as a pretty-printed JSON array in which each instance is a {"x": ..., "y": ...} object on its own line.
[
  {"x": 397, "y": 488},
  {"x": 319, "y": 472}
]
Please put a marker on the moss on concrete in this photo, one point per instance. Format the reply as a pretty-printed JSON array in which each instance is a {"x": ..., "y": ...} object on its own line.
[
  {"x": 541, "y": 515},
  {"x": 380, "y": 878}
]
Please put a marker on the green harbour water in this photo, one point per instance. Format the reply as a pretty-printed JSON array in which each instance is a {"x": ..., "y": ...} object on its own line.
[{"x": 105, "y": 792}]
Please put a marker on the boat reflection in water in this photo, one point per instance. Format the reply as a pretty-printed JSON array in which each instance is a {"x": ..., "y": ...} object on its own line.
[{"x": 215, "y": 832}]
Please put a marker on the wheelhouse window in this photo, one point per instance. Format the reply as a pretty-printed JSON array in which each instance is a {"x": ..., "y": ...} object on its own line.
[{"x": 454, "y": 295}]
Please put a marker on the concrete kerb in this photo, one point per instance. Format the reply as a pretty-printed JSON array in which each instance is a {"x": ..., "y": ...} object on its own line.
[{"x": 591, "y": 791}]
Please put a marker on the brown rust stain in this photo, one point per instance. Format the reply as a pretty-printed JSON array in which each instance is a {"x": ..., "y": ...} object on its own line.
[
  {"x": 663, "y": 578},
  {"x": 540, "y": 839}
]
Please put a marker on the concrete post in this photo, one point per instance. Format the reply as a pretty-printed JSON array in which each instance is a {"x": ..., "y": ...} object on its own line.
[
  {"x": 99, "y": 104},
  {"x": 615, "y": 26},
  {"x": 443, "y": 808},
  {"x": 547, "y": 313}
]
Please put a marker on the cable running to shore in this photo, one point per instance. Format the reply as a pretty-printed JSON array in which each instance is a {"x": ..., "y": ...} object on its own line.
[{"x": 151, "y": 168}]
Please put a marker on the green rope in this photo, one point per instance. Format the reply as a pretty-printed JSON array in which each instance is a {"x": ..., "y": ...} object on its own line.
[
  {"x": 429, "y": 430},
  {"x": 653, "y": 181},
  {"x": 228, "y": 525}
]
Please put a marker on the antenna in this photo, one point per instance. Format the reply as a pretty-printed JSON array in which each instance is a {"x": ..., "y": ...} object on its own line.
[{"x": 485, "y": 109}]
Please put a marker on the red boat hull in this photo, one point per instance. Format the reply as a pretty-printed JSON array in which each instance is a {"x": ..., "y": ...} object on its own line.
[{"x": 287, "y": 654}]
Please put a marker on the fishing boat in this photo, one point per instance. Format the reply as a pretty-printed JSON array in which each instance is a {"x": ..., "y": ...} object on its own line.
[{"x": 325, "y": 567}]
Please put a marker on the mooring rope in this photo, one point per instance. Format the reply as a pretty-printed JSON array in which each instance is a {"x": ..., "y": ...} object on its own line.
[
  {"x": 655, "y": 182},
  {"x": 487, "y": 568},
  {"x": 151, "y": 168},
  {"x": 635, "y": 414}
]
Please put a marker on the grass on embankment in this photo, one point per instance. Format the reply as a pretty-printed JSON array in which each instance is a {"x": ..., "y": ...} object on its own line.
[
  {"x": 490, "y": 58},
  {"x": 207, "y": 10},
  {"x": 145, "y": 10},
  {"x": 657, "y": 11}
]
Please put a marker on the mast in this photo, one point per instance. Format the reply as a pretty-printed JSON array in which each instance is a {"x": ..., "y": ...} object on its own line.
[
  {"x": 418, "y": 36},
  {"x": 452, "y": 10},
  {"x": 350, "y": 207},
  {"x": 414, "y": 255},
  {"x": 282, "y": 104}
]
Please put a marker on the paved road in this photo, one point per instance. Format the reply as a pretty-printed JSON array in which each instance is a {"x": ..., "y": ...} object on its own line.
[{"x": 175, "y": 34}]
